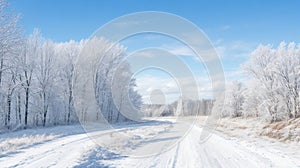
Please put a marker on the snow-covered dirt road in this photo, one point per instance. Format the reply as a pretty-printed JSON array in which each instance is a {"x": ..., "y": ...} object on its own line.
[{"x": 148, "y": 144}]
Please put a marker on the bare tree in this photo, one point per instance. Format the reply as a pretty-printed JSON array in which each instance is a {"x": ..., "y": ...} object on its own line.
[
  {"x": 10, "y": 35},
  {"x": 27, "y": 65},
  {"x": 68, "y": 53},
  {"x": 260, "y": 67},
  {"x": 45, "y": 74}
]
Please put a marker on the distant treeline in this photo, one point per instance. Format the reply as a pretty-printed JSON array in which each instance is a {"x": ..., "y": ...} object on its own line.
[{"x": 179, "y": 108}]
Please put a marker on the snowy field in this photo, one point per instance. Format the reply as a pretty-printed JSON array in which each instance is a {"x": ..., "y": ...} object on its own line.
[{"x": 153, "y": 143}]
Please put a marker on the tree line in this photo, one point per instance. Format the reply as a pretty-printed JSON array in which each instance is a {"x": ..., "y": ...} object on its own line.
[
  {"x": 272, "y": 88},
  {"x": 37, "y": 74},
  {"x": 181, "y": 107}
]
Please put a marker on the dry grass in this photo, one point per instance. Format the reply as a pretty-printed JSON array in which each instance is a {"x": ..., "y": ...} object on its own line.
[{"x": 284, "y": 131}]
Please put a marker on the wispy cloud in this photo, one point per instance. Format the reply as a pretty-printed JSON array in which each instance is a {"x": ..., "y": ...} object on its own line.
[
  {"x": 173, "y": 88},
  {"x": 226, "y": 27},
  {"x": 181, "y": 50},
  {"x": 145, "y": 54},
  {"x": 147, "y": 84},
  {"x": 234, "y": 49}
]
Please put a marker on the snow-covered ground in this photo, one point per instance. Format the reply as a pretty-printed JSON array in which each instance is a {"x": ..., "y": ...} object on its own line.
[{"x": 153, "y": 143}]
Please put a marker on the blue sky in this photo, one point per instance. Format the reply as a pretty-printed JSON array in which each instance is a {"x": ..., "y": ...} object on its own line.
[
  {"x": 234, "y": 27},
  {"x": 258, "y": 21}
]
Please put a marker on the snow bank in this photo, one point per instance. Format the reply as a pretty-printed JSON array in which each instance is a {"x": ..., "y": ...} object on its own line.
[
  {"x": 284, "y": 131},
  {"x": 13, "y": 141}
]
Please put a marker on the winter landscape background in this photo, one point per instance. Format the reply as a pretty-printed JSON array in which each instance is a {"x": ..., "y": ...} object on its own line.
[{"x": 142, "y": 119}]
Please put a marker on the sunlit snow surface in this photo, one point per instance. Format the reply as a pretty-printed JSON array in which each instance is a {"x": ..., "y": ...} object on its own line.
[{"x": 70, "y": 146}]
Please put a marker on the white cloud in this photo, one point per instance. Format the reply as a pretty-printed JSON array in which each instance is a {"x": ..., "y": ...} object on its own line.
[
  {"x": 235, "y": 75},
  {"x": 147, "y": 84},
  {"x": 217, "y": 42},
  {"x": 220, "y": 50},
  {"x": 234, "y": 49},
  {"x": 178, "y": 49},
  {"x": 226, "y": 27},
  {"x": 147, "y": 54},
  {"x": 172, "y": 90},
  {"x": 182, "y": 50},
  {"x": 206, "y": 54}
]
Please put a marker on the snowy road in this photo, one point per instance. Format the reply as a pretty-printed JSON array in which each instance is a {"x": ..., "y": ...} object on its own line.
[{"x": 149, "y": 144}]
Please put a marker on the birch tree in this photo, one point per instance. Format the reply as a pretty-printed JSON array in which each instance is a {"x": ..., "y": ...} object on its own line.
[
  {"x": 45, "y": 75},
  {"x": 26, "y": 62}
]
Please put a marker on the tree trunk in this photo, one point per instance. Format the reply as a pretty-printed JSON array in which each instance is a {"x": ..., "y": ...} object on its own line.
[
  {"x": 119, "y": 111},
  {"x": 19, "y": 107},
  {"x": 9, "y": 109},
  {"x": 69, "y": 104},
  {"x": 45, "y": 117},
  {"x": 26, "y": 105},
  {"x": 1, "y": 69},
  {"x": 45, "y": 109}
]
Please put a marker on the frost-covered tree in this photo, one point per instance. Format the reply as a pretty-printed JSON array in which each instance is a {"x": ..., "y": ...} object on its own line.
[
  {"x": 37, "y": 78},
  {"x": 218, "y": 109},
  {"x": 27, "y": 65},
  {"x": 235, "y": 98},
  {"x": 125, "y": 97},
  {"x": 287, "y": 69},
  {"x": 67, "y": 54},
  {"x": 113, "y": 73},
  {"x": 46, "y": 72},
  {"x": 10, "y": 36},
  {"x": 10, "y": 42},
  {"x": 230, "y": 103},
  {"x": 276, "y": 71},
  {"x": 102, "y": 67},
  {"x": 252, "y": 100},
  {"x": 261, "y": 66}
]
